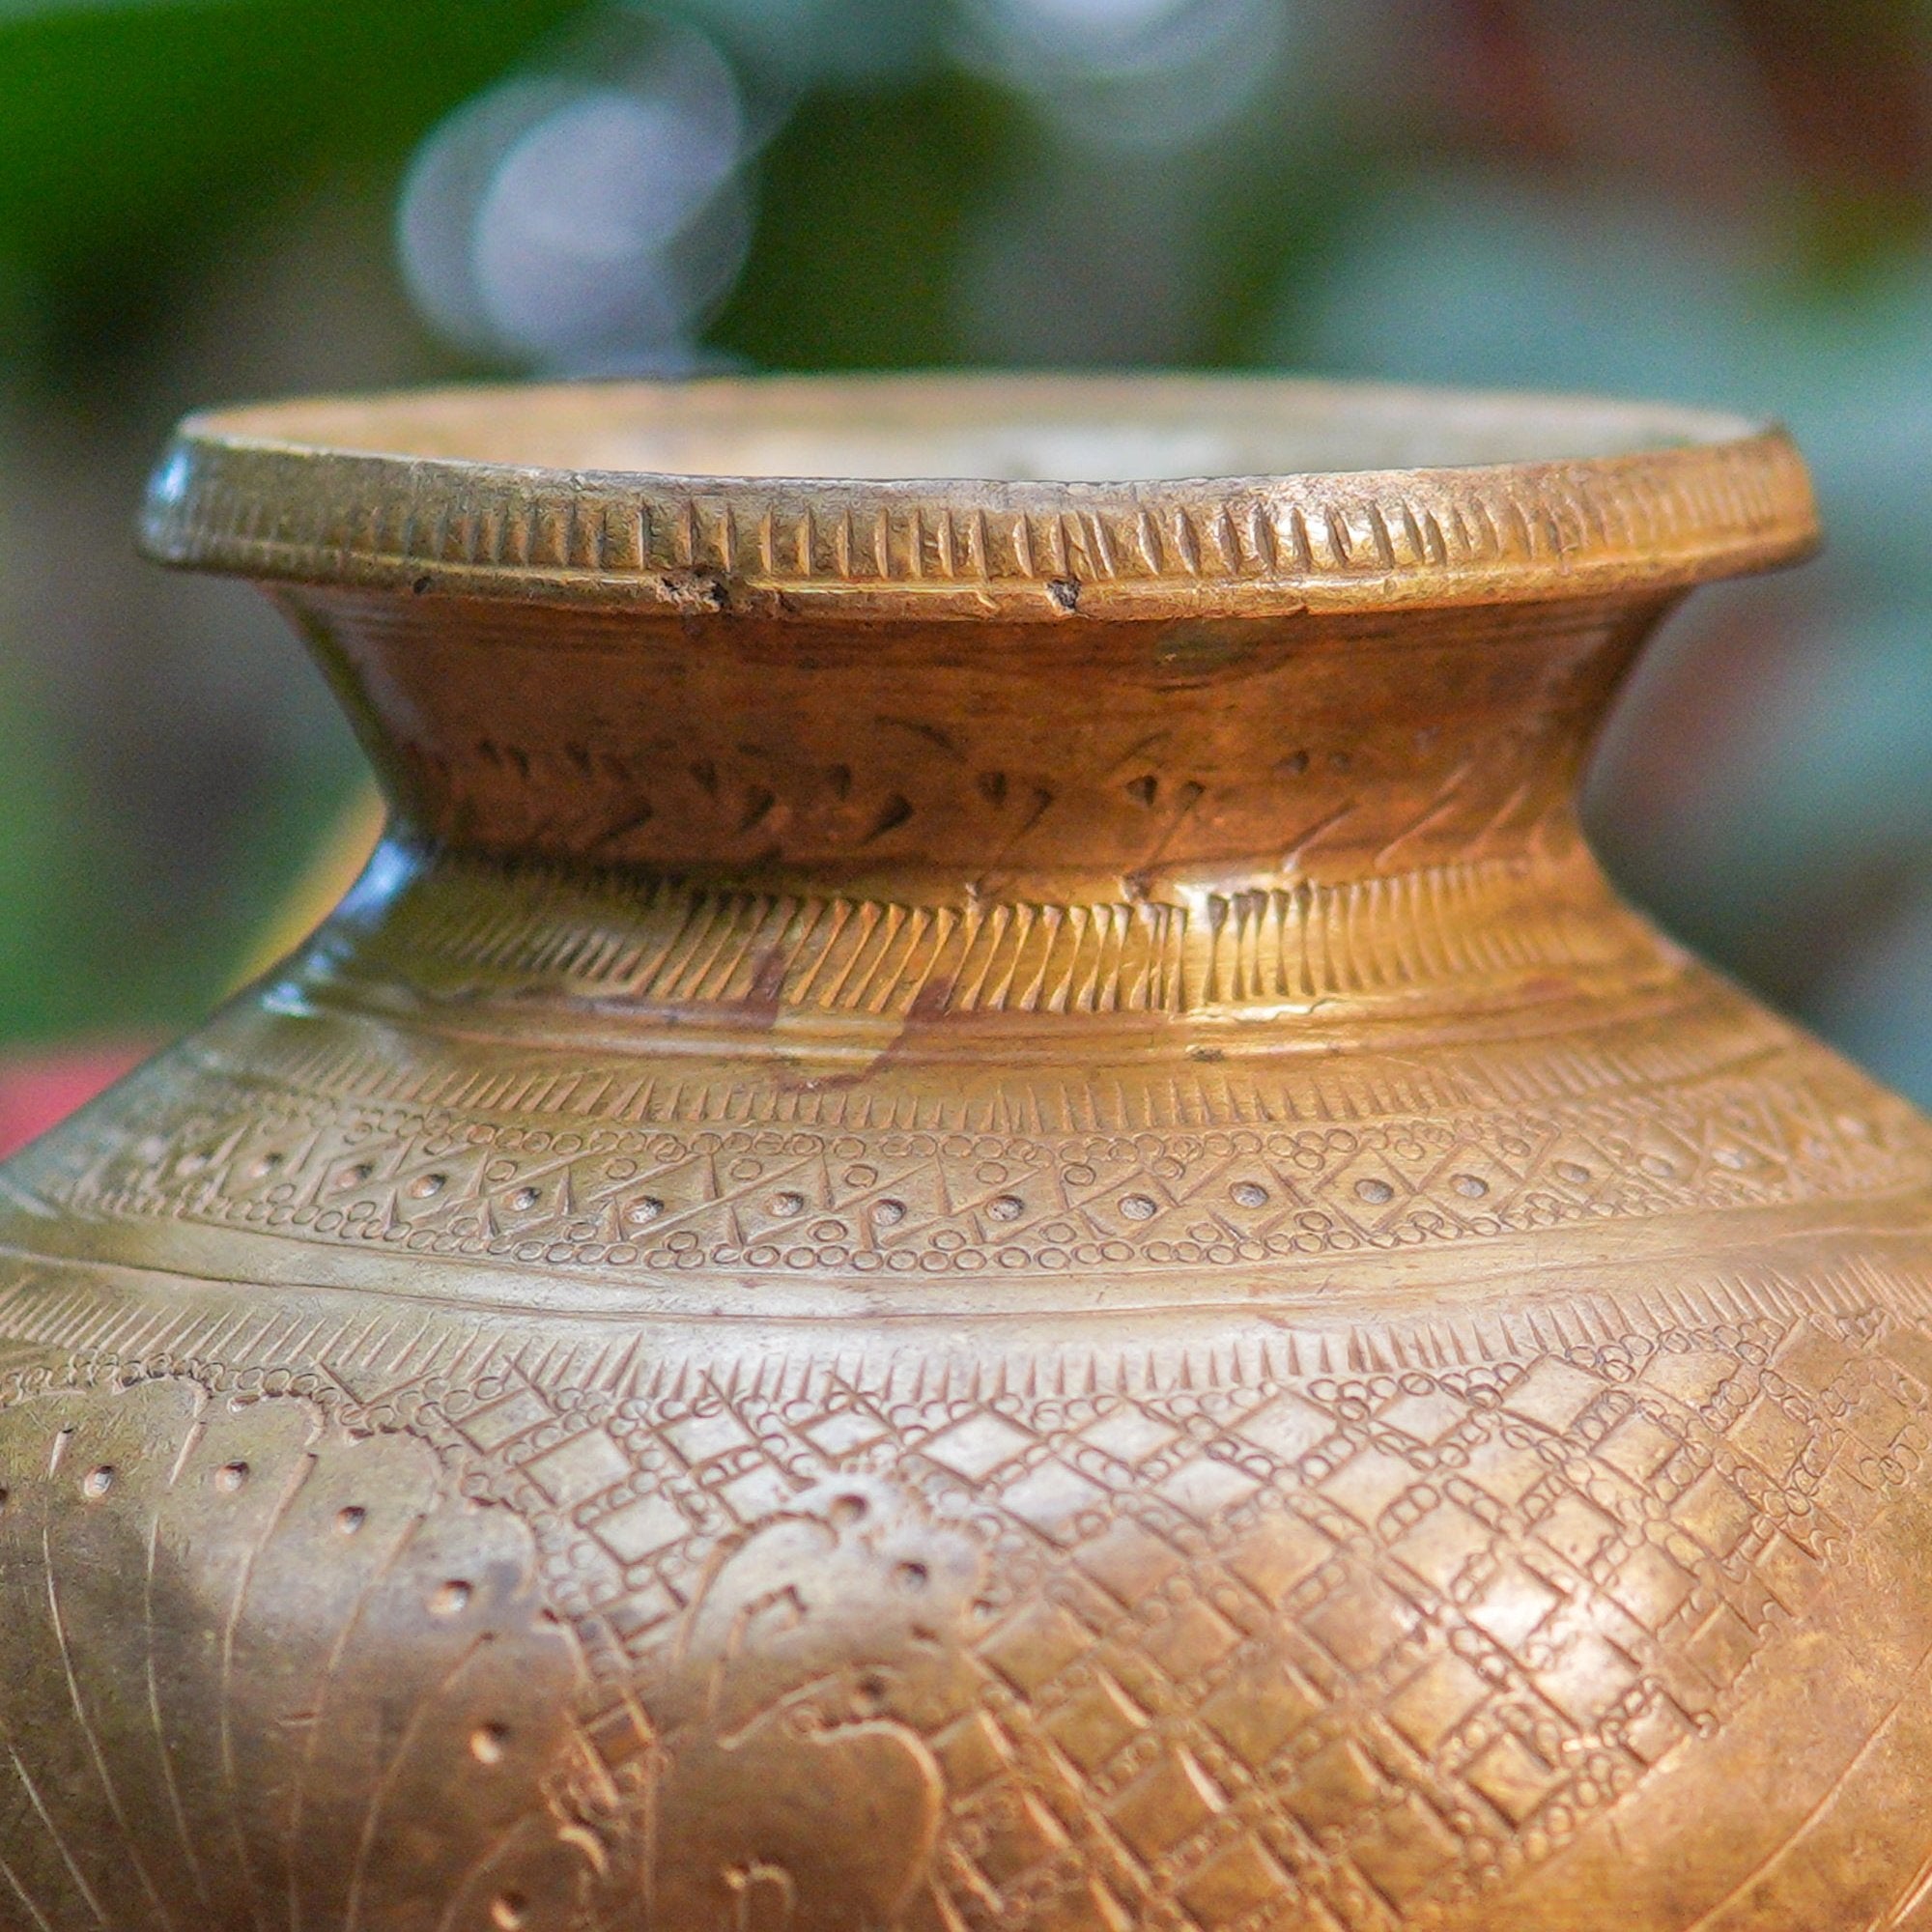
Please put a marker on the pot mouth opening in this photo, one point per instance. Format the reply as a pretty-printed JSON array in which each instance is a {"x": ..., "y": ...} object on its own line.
[
  {"x": 975, "y": 428},
  {"x": 968, "y": 496}
]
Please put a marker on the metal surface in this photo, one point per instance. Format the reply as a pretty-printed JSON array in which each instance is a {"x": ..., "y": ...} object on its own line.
[{"x": 983, "y": 1220}]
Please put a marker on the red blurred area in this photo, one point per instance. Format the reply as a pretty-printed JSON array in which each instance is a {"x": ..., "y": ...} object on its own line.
[{"x": 39, "y": 1091}]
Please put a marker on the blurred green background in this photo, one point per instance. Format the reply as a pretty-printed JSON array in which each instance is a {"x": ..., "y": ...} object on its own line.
[{"x": 1726, "y": 200}]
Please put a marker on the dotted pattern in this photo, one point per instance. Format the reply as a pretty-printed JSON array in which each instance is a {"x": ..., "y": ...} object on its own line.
[{"x": 465, "y": 1186}]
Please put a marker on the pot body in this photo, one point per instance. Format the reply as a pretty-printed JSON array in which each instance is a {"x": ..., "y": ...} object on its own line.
[{"x": 886, "y": 1276}]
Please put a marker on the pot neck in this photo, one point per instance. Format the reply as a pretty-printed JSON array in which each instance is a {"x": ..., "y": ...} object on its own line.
[
  {"x": 955, "y": 762},
  {"x": 914, "y": 820}
]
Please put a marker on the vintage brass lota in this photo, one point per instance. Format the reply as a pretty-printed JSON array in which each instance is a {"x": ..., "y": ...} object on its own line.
[{"x": 982, "y": 1222}]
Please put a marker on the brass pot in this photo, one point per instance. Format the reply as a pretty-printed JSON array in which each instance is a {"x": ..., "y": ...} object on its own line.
[{"x": 982, "y": 1221}]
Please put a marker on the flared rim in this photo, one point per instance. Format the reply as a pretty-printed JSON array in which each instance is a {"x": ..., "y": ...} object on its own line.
[{"x": 980, "y": 496}]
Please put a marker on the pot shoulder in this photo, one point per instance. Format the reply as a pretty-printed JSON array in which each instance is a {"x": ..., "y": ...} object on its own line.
[{"x": 1547, "y": 1555}]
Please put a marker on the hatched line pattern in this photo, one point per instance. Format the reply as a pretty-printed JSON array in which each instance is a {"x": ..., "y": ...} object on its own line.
[
  {"x": 362, "y": 520},
  {"x": 673, "y": 942}
]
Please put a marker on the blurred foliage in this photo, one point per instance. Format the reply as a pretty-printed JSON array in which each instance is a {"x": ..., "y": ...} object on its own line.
[
  {"x": 137, "y": 144},
  {"x": 868, "y": 192},
  {"x": 131, "y": 135}
]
